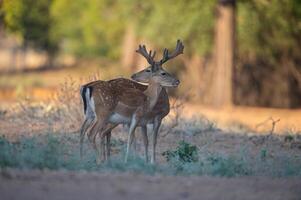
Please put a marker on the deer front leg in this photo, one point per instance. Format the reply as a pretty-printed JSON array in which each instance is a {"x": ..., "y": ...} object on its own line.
[
  {"x": 157, "y": 124},
  {"x": 133, "y": 126},
  {"x": 145, "y": 141}
]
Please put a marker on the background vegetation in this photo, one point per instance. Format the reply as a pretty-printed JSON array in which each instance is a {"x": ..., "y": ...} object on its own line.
[{"x": 267, "y": 42}]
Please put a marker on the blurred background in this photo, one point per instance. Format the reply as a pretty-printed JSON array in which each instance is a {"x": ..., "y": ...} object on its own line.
[{"x": 238, "y": 53}]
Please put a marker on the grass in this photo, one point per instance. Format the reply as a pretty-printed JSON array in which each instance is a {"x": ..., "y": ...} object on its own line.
[
  {"x": 60, "y": 151},
  {"x": 192, "y": 146}
]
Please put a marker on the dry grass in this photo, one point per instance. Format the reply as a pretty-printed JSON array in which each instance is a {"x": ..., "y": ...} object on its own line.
[{"x": 49, "y": 129}]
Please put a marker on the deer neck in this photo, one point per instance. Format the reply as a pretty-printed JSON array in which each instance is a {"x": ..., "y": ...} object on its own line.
[{"x": 152, "y": 92}]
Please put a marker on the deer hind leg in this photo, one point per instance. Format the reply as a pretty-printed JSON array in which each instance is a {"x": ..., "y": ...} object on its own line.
[
  {"x": 102, "y": 148},
  {"x": 83, "y": 129},
  {"x": 107, "y": 134},
  {"x": 88, "y": 123},
  {"x": 145, "y": 141},
  {"x": 89, "y": 117},
  {"x": 97, "y": 128},
  {"x": 103, "y": 132},
  {"x": 157, "y": 124}
]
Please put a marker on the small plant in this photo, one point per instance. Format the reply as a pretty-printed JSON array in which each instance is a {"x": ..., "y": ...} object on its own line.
[
  {"x": 288, "y": 138},
  {"x": 184, "y": 153},
  {"x": 263, "y": 154}
]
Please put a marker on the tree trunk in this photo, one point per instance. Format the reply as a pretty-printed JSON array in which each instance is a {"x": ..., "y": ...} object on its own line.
[
  {"x": 224, "y": 53},
  {"x": 129, "y": 59}
]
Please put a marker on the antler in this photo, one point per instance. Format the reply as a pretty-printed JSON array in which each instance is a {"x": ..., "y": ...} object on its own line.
[
  {"x": 149, "y": 56},
  {"x": 179, "y": 50}
]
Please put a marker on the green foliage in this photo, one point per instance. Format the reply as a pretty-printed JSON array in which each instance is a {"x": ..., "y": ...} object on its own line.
[
  {"x": 288, "y": 138},
  {"x": 163, "y": 22},
  {"x": 184, "y": 152},
  {"x": 96, "y": 27},
  {"x": 269, "y": 28},
  {"x": 263, "y": 154},
  {"x": 266, "y": 29},
  {"x": 31, "y": 21},
  {"x": 88, "y": 28}
]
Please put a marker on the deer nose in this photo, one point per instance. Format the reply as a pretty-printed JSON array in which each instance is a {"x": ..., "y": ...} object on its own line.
[{"x": 177, "y": 82}]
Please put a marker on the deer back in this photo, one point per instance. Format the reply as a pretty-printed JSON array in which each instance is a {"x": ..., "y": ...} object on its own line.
[{"x": 124, "y": 95}]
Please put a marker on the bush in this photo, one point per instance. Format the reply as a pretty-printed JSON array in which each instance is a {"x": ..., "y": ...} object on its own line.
[{"x": 185, "y": 152}]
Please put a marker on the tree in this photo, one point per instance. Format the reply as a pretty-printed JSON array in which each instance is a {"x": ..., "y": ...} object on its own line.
[
  {"x": 224, "y": 53},
  {"x": 268, "y": 70},
  {"x": 88, "y": 28},
  {"x": 163, "y": 22},
  {"x": 31, "y": 21}
]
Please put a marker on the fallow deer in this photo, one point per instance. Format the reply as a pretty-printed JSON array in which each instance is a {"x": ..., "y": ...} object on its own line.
[
  {"x": 122, "y": 101},
  {"x": 161, "y": 109}
]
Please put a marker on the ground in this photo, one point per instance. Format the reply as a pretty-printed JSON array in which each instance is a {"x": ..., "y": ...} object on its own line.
[
  {"x": 112, "y": 183},
  {"x": 240, "y": 154},
  {"x": 37, "y": 185}
]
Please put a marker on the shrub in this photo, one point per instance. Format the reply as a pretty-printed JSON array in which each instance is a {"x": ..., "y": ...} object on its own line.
[{"x": 185, "y": 152}]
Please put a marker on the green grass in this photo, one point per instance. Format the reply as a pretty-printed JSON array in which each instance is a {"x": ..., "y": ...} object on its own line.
[{"x": 60, "y": 151}]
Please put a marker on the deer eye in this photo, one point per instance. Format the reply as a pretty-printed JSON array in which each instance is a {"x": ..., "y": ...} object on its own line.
[
  {"x": 148, "y": 70},
  {"x": 163, "y": 74}
]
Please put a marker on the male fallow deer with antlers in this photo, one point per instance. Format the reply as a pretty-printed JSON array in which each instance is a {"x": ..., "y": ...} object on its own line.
[{"x": 123, "y": 101}]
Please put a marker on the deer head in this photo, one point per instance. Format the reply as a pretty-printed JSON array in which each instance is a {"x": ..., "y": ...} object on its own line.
[{"x": 155, "y": 71}]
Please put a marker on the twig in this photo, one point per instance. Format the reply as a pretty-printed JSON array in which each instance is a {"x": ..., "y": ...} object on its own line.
[{"x": 274, "y": 122}]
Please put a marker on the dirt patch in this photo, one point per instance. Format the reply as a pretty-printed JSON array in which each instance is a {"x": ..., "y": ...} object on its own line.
[{"x": 69, "y": 185}]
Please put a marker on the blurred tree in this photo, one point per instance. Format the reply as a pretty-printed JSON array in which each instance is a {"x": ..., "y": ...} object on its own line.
[
  {"x": 224, "y": 53},
  {"x": 1, "y": 19},
  {"x": 129, "y": 59},
  {"x": 269, "y": 53},
  {"x": 131, "y": 13},
  {"x": 163, "y": 22},
  {"x": 88, "y": 28},
  {"x": 268, "y": 37},
  {"x": 31, "y": 21}
]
